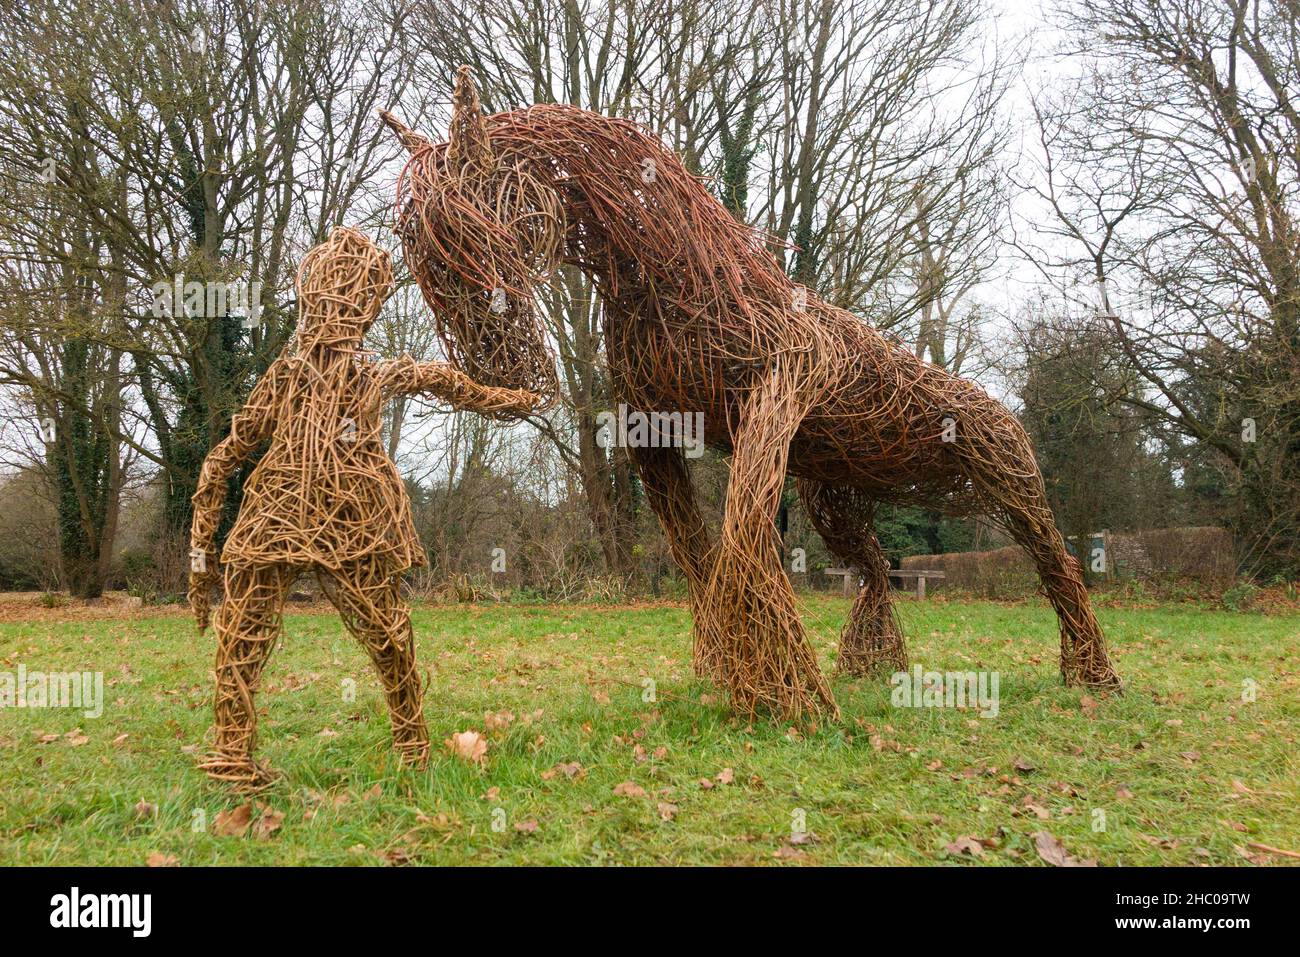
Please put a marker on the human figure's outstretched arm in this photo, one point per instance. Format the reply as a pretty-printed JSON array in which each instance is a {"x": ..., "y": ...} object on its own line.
[
  {"x": 249, "y": 427},
  {"x": 439, "y": 380}
]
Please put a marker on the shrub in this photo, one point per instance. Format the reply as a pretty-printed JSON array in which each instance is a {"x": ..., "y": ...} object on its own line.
[
  {"x": 135, "y": 567},
  {"x": 1240, "y": 597}
]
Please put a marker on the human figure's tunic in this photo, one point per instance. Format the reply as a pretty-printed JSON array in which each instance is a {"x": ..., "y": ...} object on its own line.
[{"x": 326, "y": 493}]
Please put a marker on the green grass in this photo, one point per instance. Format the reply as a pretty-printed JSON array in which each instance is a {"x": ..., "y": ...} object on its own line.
[{"x": 886, "y": 786}]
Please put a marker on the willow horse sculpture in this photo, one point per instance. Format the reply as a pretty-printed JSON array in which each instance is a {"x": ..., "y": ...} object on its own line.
[
  {"x": 700, "y": 318},
  {"x": 324, "y": 498}
]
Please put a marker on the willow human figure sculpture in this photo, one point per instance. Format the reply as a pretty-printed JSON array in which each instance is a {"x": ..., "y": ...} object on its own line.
[
  {"x": 324, "y": 498},
  {"x": 700, "y": 318}
]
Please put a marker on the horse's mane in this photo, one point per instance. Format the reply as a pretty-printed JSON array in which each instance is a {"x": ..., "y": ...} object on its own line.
[
  {"x": 644, "y": 213},
  {"x": 510, "y": 195}
]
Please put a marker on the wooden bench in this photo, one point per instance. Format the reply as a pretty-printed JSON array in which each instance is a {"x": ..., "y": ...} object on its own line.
[{"x": 851, "y": 578}]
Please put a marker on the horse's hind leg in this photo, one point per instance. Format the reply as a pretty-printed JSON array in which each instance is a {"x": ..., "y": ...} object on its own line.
[
  {"x": 667, "y": 484},
  {"x": 1001, "y": 467},
  {"x": 871, "y": 642},
  {"x": 1084, "y": 659}
]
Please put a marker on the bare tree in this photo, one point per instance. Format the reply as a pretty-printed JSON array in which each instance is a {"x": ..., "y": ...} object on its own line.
[
  {"x": 1171, "y": 170},
  {"x": 203, "y": 142}
]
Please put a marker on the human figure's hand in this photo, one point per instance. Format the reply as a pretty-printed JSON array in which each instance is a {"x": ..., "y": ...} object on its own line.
[
  {"x": 439, "y": 380},
  {"x": 203, "y": 575}
]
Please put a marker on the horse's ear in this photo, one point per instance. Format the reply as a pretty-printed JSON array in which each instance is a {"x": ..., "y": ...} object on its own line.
[
  {"x": 410, "y": 139},
  {"x": 468, "y": 142}
]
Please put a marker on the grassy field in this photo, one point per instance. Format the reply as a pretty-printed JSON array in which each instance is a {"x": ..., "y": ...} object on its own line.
[{"x": 580, "y": 769}]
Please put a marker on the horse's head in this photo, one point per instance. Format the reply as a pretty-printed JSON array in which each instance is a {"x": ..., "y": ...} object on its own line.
[{"x": 480, "y": 231}]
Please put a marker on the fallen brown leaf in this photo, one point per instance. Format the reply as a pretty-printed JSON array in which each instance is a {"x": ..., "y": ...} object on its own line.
[
  {"x": 233, "y": 823},
  {"x": 267, "y": 823},
  {"x": 469, "y": 746},
  {"x": 965, "y": 845},
  {"x": 1247, "y": 855},
  {"x": 1163, "y": 842},
  {"x": 1051, "y": 850},
  {"x": 1040, "y": 812},
  {"x": 438, "y": 822}
]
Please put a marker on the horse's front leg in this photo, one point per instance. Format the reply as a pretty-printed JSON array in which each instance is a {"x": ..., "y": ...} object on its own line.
[
  {"x": 667, "y": 483},
  {"x": 763, "y": 658}
]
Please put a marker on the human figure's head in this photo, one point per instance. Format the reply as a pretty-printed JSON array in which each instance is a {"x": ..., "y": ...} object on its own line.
[
  {"x": 342, "y": 284},
  {"x": 482, "y": 228}
]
